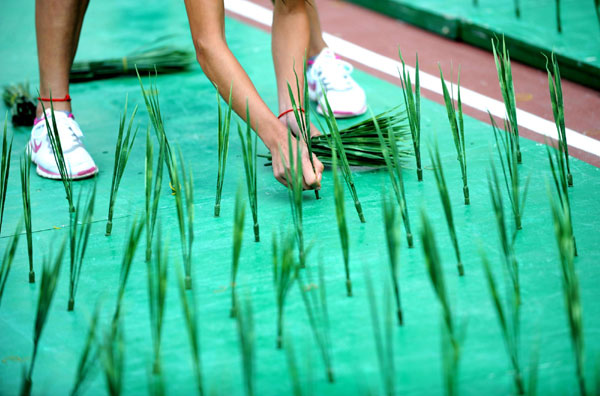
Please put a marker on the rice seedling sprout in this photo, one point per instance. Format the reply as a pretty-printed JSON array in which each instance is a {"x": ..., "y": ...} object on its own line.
[
  {"x": 412, "y": 103},
  {"x": 112, "y": 358},
  {"x": 245, "y": 327},
  {"x": 285, "y": 271},
  {"x": 26, "y": 195},
  {"x": 340, "y": 214},
  {"x": 88, "y": 357},
  {"x": 390, "y": 224},
  {"x": 222, "y": 147},
  {"x": 8, "y": 258},
  {"x": 157, "y": 293},
  {"x": 249, "y": 151},
  {"x": 152, "y": 189},
  {"x": 239, "y": 214},
  {"x": 123, "y": 148},
  {"x": 4, "y": 168}
]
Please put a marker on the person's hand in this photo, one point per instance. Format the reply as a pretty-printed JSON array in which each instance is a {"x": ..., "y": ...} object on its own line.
[
  {"x": 289, "y": 120},
  {"x": 311, "y": 179}
]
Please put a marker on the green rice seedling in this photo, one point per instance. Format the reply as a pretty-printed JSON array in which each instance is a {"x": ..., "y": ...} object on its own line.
[
  {"x": 188, "y": 305},
  {"x": 130, "y": 247},
  {"x": 502, "y": 60},
  {"x": 412, "y": 103},
  {"x": 318, "y": 317},
  {"x": 336, "y": 139},
  {"x": 383, "y": 335},
  {"x": 558, "y": 110},
  {"x": 293, "y": 175},
  {"x": 440, "y": 180},
  {"x": 559, "y": 175},
  {"x": 47, "y": 288},
  {"x": 293, "y": 367},
  {"x": 112, "y": 358},
  {"x": 152, "y": 188},
  {"x": 392, "y": 161},
  {"x": 245, "y": 327},
  {"x": 222, "y": 147},
  {"x": 390, "y": 224},
  {"x": 157, "y": 293},
  {"x": 457, "y": 126},
  {"x": 4, "y": 168},
  {"x": 302, "y": 114},
  {"x": 79, "y": 234},
  {"x": 249, "y": 154},
  {"x": 88, "y": 357},
  {"x": 509, "y": 258},
  {"x": 26, "y": 195},
  {"x": 185, "y": 212},
  {"x": 450, "y": 337},
  {"x": 285, "y": 271},
  {"x": 570, "y": 283},
  {"x": 125, "y": 142},
  {"x": 507, "y": 152},
  {"x": 239, "y": 214},
  {"x": 7, "y": 259},
  {"x": 340, "y": 214},
  {"x": 58, "y": 153}
]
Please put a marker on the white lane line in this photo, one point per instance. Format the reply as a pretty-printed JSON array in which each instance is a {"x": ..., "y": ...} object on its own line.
[{"x": 373, "y": 60}]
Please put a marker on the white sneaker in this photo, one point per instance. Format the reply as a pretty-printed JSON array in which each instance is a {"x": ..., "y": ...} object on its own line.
[
  {"x": 78, "y": 161},
  {"x": 345, "y": 96}
]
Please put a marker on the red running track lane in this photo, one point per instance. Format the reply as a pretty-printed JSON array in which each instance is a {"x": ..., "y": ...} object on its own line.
[{"x": 383, "y": 35}]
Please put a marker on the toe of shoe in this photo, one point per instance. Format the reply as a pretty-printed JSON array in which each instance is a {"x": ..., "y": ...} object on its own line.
[
  {"x": 346, "y": 103},
  {"x": 80, "y": 164}
]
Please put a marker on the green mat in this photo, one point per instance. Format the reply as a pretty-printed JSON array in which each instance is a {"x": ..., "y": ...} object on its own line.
[
  {"x": 189, "y": 108},
  {"x": 535, "y": 33}
]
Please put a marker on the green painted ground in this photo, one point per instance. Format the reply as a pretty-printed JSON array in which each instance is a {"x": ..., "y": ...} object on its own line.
[
  {"x": 535, "y": 32},
  {"x": 189, "y": 107}
]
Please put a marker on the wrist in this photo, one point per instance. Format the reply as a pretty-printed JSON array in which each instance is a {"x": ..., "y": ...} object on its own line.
[{"x": 273, "y": 135}]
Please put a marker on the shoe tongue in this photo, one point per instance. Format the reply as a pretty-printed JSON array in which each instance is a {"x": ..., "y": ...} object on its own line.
[{"x": 326, "y": 53}]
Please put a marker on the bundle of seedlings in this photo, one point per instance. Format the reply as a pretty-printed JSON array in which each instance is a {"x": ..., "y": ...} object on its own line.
[
  {"x": 8, "y": 257},
  {"x": 451, "y": 339},
  {"x": 157, "y": 293},
  {"x": 79, "y": 233},
  {"x": 57, "y": 151},
  {"x": 245, "y": 328},
  {"x": 285, "y": 271},
  {"x": 502, "y": 60},
  {"x": 125, "y": 142},
  {"x": 507, "y": 153},
  {"x": 440, "y": 180},
  {"x": 384, "y": 339},
  {"x": 412, "y": 104},
  {"x": 239, "y": 214},
  {"x": 112, "y": 358},
  {"x": 159, "y": 58},
  {"x": 88, "y": 357},
  {"x": 4, "y": 169},
  {"x": 152, "y": 188},
  {"x": 390, "y": 225},
  {"x": 19, "y": 100},
  {"x": 570, "y": 283},
  {"x": 457, "y": 126},
  {"x": 302, "y": 114},
  {"x": 559, "y": 175},
  {"x": 249, "y": 154},
  {"x": 294, "y": 176},
  {"x": 392, "y": 162},
  {"x": 185, "y": 212},
  {"x": 222, "y": 147},
  {"x": 190, "y": 315},
  {"x": 340, "y": 214},
  {"x": 558, "y": 110},
  {"x": 47, "y": 288},
  {"x": 26, "y": 195},
  {"x": 315, "y": 302}
]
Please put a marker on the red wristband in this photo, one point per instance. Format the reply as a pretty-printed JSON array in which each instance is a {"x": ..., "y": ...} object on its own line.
[
  {"x": 67, "y": 98},
  {"x": 288, "y": 111}
]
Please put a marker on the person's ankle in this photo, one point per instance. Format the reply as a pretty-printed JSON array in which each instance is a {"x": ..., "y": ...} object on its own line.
[
  {"x": 58, "y": 106},
  {"x": 315, "y": 49}
]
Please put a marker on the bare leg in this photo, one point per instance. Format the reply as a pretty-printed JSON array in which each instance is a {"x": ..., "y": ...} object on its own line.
[
  {"x": 316, "y": 43},
  {"x": 58, "y": 25}
]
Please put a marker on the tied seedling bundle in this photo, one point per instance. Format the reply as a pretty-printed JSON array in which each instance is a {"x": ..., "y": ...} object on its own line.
[
  {"x": 160, "y": 58},
  {"x": 18, "y": 99}
]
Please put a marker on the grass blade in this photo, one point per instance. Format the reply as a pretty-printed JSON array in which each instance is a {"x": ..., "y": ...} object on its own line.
[
  {"x": 222, "y": 147},
  {"x": 112, "y": 358},
  {"x": 392, "y": 237},
  {"x": 249, "y": 151},
  {"x": 152, "y": 189},
  {"x": 285, "y": 271},
  {"x": 238, "y": 233},
  {"x": 412, "y": 103},
  {"x": 7, "y": 259},
  {"x": 4, "y": 167},
  {"x": 26, "y": 195},
  {"x": 340, "y": 214},
  {"x": 157, "y": 293},
  {"x": 88, "y": 357},
  {"x": 245, "y": 327}
]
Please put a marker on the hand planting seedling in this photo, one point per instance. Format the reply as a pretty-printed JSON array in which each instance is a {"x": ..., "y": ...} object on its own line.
[
  {"x": 392, "y": 236},
  {"x": 222, "y": 147},
  {"x": 457, "y": 126},
  {"x": 558, "y": 110},
  {"x": 26, "y": 195},
  {"x": 157, "y": 293},
  {"x": 412, "y": 104},
  {"x": 78, "y": 240},
  {"x": 285, "y": 271},
  {"x": 392, "y": 162},
  {"x": 340, "y": 214},
  {"x": 125, "y": 142},
  {"x": 238, "y": 232},
  {"x": 502, "y": 60},
  {"x": 4, "y": 168},
  {"x": 507, "y": 152},
  {"x": 440, "y": 180},
  {"x": 450, "y": 336},
  {"x": 7, "y": 259},
  {"x": 249, "y": 149}
]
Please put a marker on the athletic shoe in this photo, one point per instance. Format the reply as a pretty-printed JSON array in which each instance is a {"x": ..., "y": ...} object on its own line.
[
  {"x": 345, "y": 96},
  {"x": 78, "y": 161}
]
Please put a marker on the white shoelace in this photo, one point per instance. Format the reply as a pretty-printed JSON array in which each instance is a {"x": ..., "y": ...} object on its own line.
[{"x": 334, "y": 74}]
